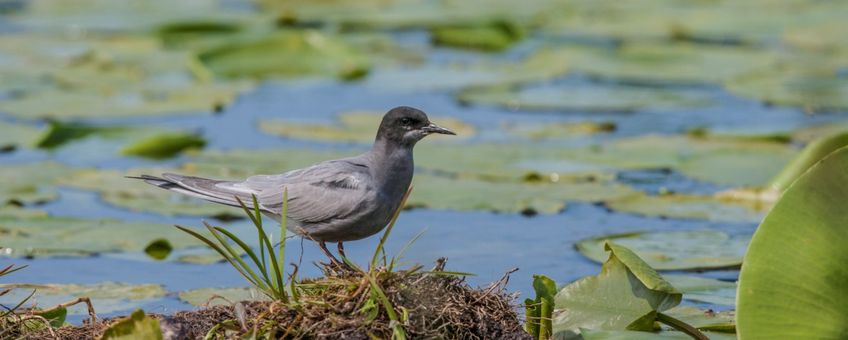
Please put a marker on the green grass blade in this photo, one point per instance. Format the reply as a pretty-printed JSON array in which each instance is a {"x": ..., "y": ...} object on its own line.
[
  {"x": 389, "y": 228},
  {"x": 397, "y": 331},
  {"x": 403, "y": 250},
  {"x": 247, "y": 249},
  {"x": 257, "y": 221},
  {"x": 225, "y": 255},
  {"x": 234, "y": 255}
]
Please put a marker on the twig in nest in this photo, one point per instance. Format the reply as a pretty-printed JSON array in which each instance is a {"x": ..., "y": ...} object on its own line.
[
  {"x": 42, "y": 319},
  {"x": 499, "y": 283},
  {"x": 74, "y": 302}
]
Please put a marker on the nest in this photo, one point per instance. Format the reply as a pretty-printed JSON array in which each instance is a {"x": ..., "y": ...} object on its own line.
[{"x": 344, "y": 306}]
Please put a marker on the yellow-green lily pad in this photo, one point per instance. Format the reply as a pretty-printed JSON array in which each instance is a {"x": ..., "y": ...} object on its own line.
[
  {"x": 543, "y": 64},
  {"x": 584, "y": 98},
  {"x": 220, "y": 296},
  {"x": 13, "y": 136},
  {"x": 107, "y": 297},
  {"x": 496, "y": 36},
  {"x": 39, "y": 236},
  {"x": 97, "y": 77},
  {"x": 359, "y": 127},
  {"x": 559, "y": 130},
  {"x": 676, "y": 63},
  {"x": 811, "y": 89},
  {"x": 711, "y": 208},
  {"x": 288, "y": 53},
  {"x": 702, "y": 289},
  {"x": 463, "y": 193},
  {"x": 30, "y": 183},
  {"x": 674, "y": 250}
]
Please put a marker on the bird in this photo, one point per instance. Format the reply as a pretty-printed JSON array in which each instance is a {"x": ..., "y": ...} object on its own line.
[{"x": 332, "y": 201}]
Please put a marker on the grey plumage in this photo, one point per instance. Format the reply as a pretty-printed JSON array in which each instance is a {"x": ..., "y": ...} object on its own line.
[{"x": 332, "y": 201}]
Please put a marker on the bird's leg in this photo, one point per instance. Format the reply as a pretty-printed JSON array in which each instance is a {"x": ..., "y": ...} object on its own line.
[
  {"x": 341, "y": 250},
  {"x": 332, "y": 258}
]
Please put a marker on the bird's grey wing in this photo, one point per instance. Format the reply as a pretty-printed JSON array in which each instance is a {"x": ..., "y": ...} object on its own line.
[
  {"x": 209, "y": 189},
  {"x": 318, "y": 194}
]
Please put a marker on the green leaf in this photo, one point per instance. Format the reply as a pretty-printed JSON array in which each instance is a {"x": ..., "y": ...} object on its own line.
[
  {"x": 493, "y": 37},
  {"x": 159, "y": 249},
  {"x": 711, "y": 208},
  {"x": 29, "y": 183},
  {"x": 287, "y": 53},
  {"x": 106, "y": 297},
  {"x": 705, "y": 320},
  {"x": 627, "y": 294},
  {"x": 13, "y": 136},
  {"x": 164, "y": 145},
  {"x": 814, "y": 152},
  {"x": 138, "y": 326},
  {"x": 59, "y": 133},
  {"x": 56, "y": 316},
  {"x": 674, "y": 250},
  {"x": 793, "y": 281}
]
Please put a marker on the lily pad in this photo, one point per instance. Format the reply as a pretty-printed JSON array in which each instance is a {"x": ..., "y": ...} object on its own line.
[
  {"x": 583, "y": 98},
  {"x": 29, "y": 183},
  {"x": 626, "y": 295},
  {"x": 544, "y": 64},
  {"x": 135, "y": 327},
  {"x": 107, "y": 297},
  {"x": 496, "y": 36},
  {"x": 703, "y": 289},
  {"x": 588, "y": 334},
  {"x": 13, "y": 136},
  {"x": 359, "y": 127},
  {"x": 164, "y": 145},
  {"x": 438, "y": 192},
  {"x": 122, "y": 76},
  {"x": 793, "y": 281},
  {"x": 711, "y": 208},
  {"x": 811, "y": 89},
  {"x": 706, "y": 320},
  {"x": 56, "y": 236},
  {"x": 560, "y": 130},
  {"x": 220, "y": 296},
  {"x": 674, "y": 250},
  {"x": 663, "y": 64},
  {"x": 717, "y": 160},
  {"x": 814, "y": 152},
  {"x": 288, "y": 53}
]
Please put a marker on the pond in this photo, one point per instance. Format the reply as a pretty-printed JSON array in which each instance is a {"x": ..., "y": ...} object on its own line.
[{"x": 607, "y": 144}]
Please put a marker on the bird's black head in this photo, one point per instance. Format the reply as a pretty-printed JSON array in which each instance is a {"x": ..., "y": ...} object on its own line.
[{"x": 404, "y": 125}]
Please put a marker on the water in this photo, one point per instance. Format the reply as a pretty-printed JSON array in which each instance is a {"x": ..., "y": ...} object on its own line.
[{"x": 486, "y": 244}]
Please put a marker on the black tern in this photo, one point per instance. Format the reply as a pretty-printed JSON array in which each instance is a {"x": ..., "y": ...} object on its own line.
[{"x": 333, "y": 201}]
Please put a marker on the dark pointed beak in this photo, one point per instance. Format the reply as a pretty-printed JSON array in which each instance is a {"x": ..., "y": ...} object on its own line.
[{"x": 433, "y": 128}]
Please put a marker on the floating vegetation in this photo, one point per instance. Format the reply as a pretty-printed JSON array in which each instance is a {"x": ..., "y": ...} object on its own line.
[
  {"x": 583, "y": 98},
  {"x": 354, "y": 126},
  {"x": 674, "y": 250}
]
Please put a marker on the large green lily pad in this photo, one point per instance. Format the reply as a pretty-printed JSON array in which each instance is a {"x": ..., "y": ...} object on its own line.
[
  {"x": 220, "y": 296},
  {"x": 438, "y": 192},
  {"x": 287, "y": 54},
  {"x": 718, "y": 160},
  {"x": 711, "y": 208},
  {"x": 559, "y": 130},
  {"x": 674, "y": 250},
  {"x": 107, "y": 297},
  {"x": 57, "y": 236},
  {"x": 793, "y": 281},
  {"x": 29, "y": 183},
  {"x": 818, "y": 89},
  {"x": 814, "y": 152},
  {"x": 359, "y": 127},
  {"x": 543, "y": 64},
  {"x": 662, "y": 63},
  {"x": 13, "y": 136},
  {"x": 119, "y": 76},
  {"x": 626, "y": 295},
  {"x": 704, "y": 289},
  {"x": 496, "y": 36},
  {"x": 583, "y": 98}
]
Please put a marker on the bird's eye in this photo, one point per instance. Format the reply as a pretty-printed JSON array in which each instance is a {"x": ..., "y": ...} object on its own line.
[{"x": 405, "y": 121}]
